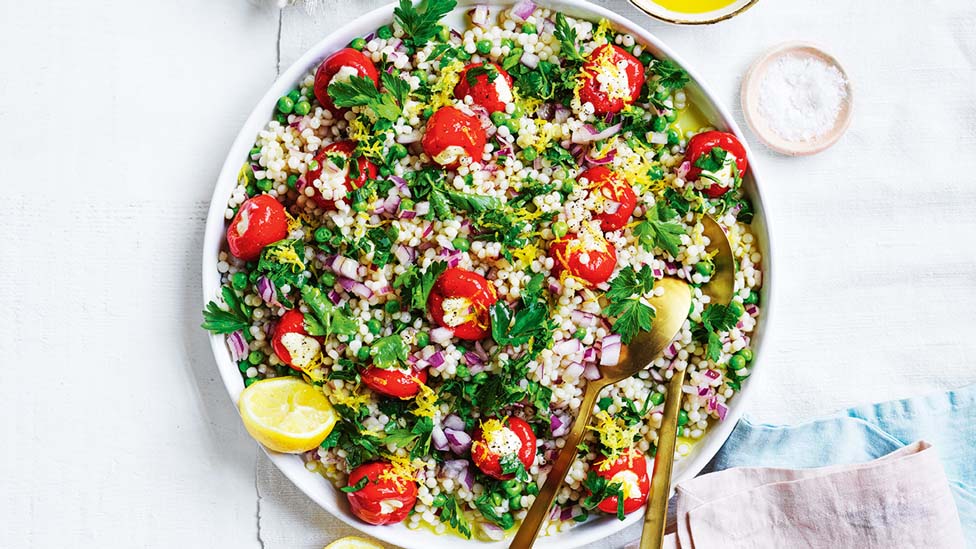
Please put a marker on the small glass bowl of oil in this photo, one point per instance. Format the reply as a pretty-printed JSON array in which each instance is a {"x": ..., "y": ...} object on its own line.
[{"x": 693, "y": 12}]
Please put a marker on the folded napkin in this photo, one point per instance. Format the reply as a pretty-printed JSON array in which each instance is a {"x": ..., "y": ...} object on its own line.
[{"x": 899, "y": 500}]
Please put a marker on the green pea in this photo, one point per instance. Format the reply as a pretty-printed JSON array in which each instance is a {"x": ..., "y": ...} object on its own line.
[
  {"x": 662, "y": 94},
  {"x": 508, "y": 42},
  {"x": 736, "y": 309},
  {"x": 281, "y": 119},
  {"x": 303, "y": 107},
  {"x": 327, "y": 280},
  {"x": 645, "y": 58},
  {"x": 752, "y": 298},
  {"x": 255, "y": 357},
  {"x": 462, "y": 371},
  {"x": 659, "y": 124},
  {"x": 530, "y": 154},
  {"x": 512, "y": 487},
  {"x": 385, "y": 172},
  {"x": 392, "y": 306},
  {"x": 243, "y": 366},
  {"x": 567, "y": 186},
  {"x": 285, "y": 105},
  {"x": 682, "y": 417},
  {"x": 384, "y": 32},
  {"x": 375, "y": 326},
  {"x": 657, "y": 398},
  {"x": 407, "y": 205},
  {"x": 238, "y": 281},
  {"x": 292, "y": 181},
  {"x": 359, "y": 206},
  {"x": 532, "y": 489},
  {"x": 671, "y": 115},
  {"x": 440, "y": 500},
  {"x": 656, "y": 173},
  {"x": 515, "y": 503},
  {"x": 322, "y": 234},
  {"x": 294, "y": 95},
  {"x": 363, "y": 353},
  {"x": 313, "y": 165},
  {"x": 444, "y": 33},
  {"x": 746, "y": 354},
  {"x": 512, "y": 126},
  {"x": 358, "y": 43},
  {"x": 484, "y": 46},
  {"x": 580, "y": 333},
  {"x": 480, "y": 377},
  {"x": 461, "y": 244},
  {"x": 336, "y": 241},
  {"x": 704, "y": 268},
  {"x": 528, "y": 28},
  {"x": 249, "y": 381},
  {"x": 400, "y": 326},
  {"x": 423, "y": 340},
  {"x": 498, "y": 118},
  {"x": 560, "y": 228},
  {"x": 253, "y": 277},
  {"x": 673, "y": 138},
  {"x": 737, "y": 362},
  {"x": 264, "y": 185}
]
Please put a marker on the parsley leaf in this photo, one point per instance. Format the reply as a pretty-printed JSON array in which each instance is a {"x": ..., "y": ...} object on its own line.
[
  {"x": 511, "y": 464},
  {"x": 660, "y": 228},
  {"x": 485, "y": 505},
  {"x": 453, "y": 514},
  {"x": 601, "y": 489},
  {"x": 420, "y": 23},
  {"x": 473, "y": 203},
  {"x": 626, "y": 295},
  {"x": 360, "y": 91},
  {"x": 671, "y": 75},
  {"x": 219, "y": 321},
  {"x": 418, "y": 283},
  {"x": 713, "y": 160},
  {"x": 355, "y": 487},
  {"x": 717, "y": 318},
  {"x": 531, "y": 324},
  {"x": 325, "y": 318},
  {"x": 388, "y": 352},
  {"x": 566, "y": 35}
]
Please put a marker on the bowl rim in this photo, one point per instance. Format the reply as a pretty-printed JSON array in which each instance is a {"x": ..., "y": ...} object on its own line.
[{"x": 316, "y": 487}]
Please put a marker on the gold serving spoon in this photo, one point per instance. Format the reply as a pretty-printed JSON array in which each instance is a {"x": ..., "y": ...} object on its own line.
[
  {"x": 720, "y": 289},
  {"x": 671, "y": 310}
]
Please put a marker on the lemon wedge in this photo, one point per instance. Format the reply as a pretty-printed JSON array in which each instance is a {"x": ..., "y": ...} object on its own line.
[
  {"x": 286, "y": 414},
  {"x": 353, "y": 542}
]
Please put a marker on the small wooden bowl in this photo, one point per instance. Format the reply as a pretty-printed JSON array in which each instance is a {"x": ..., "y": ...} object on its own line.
[{"x": 750, "y": 102}]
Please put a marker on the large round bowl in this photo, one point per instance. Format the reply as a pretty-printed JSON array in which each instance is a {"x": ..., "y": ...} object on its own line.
[{"x": 318, "y": 488}]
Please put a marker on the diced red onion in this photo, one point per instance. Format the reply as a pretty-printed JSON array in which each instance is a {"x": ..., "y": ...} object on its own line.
[
  {"x": 523, "y": 9},
  {"x": 657, "y": 273},
  {"x": 591, "y": 372},
  {"x": 467, "y": 479},
  {"x": 438, "y": 438},
  {"x": 670, "y": 267},
  {"x": 752, "y": 310},
  {"x": 529, "y": 59},
  {"x": 408, "y": 214},
  {"x": 610, "y": 350},
  {"x": 566, "y": 513},
  {"x": 589, "y": 354},
  {"x": 237, "y": 345},
  {"x": 554, "y": 287},
  {"x": 455, "y": 422},
  {"x": 334, "y": 297},
  {"x": 492, "y": 531},
  {"x": 589, "y": 134},
  {"x": 355, "y": 287},
  {"x": 671, "y": 351},
  {"x": 436, "y": 360},
  {"x": 568, "y": 347},
  {"x": 703, "y": 391},
  {"x": 559, "y": 425},
  {"x": 458, "y": 441},
  {"x": 683, "y": 169},
  {"x": 347, "y": 267},
  {"x": 430, "y": 226},
  {"x": 441, "y": 335},
  {"x": 267, "y": 291},
  {"x": 722, "y": 410},
  {"x": 479, "y": 15},
  {"x": 401, "y": 184},
  {"x": 391, "y": 204},
  {"x": 454, "y": 469},
  {"x": 583, "y": 318},
  {"x": 573, "y": 370},
  {"x": 472, "y": 359},
  {"x": 404, "y": 254}
]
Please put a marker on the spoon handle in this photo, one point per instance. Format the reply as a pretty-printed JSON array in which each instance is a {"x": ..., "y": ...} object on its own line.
[
  {"x": 656, "y": 514},
  {"x": 529, "y": 529}
]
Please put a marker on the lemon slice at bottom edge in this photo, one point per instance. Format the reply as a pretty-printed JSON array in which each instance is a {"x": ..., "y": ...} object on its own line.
[
  {"x": 353, "y": 542},
  {"x": 286, "y": 414}
]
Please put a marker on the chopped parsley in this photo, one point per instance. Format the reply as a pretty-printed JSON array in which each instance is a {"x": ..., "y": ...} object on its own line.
[
  {"x": 512, "y": 465},
  {"x": 531, "y": 325},
  {"x": 282, "y": 262},
  {"x": 453, "y": 514},
  {"x": 416, "y": 438},
  {"x": 361, "y": 91},
  {"x": 355, "y": 487},
  {"x": 660, "y": 228},
  {"x": 420, "y": 24},
  {"x": 566, "y": 35},
  {"x": 626, "y": 297},
  {"x": 236, "y": 317},
  {"x": 715, "y": 318},
  {"x": 417, "y": 283},
  {"x": 671, "y": 75},
  {"x": 601, "y": 489},
  {"x": 388, "y": 352},
  {"x": 325, "y": 318}
]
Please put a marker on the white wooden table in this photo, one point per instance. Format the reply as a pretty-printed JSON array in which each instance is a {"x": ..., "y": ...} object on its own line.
[{"x": 115, "y": 118}]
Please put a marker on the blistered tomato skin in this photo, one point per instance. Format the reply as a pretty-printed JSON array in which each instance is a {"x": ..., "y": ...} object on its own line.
[
  {"x": 610, "y": 101},
  {"x": 394, "y": 383},
  {"x": 616, "y": 192},
  {"x": 634, "y": 462},
  {"x": 449, "y": 127},
  {"x": 702, "y": 144},
  {"x": 479, "y": 295},
  {"x": 346, "y": 57},
  {"x": 367, "y": 171},
  {"x": 490, "y": 462},
  {"x": 483, "y": 91},
  {"x": 292, "y": 322},
  {"x": 259, "y": 221},
  {"x": 381, "y": 500},
  {"x": 568, "y": 255}
]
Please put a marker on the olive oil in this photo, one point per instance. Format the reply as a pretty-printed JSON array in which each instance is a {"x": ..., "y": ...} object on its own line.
[{"x": 694, "y": 6}]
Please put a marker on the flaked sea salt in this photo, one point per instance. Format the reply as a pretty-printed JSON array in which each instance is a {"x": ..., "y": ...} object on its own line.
[{"x": 800, "y": 97}]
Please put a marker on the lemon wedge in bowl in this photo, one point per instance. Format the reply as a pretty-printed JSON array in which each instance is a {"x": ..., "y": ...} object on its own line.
[
  {"x": 287, "y": 415},
  {"x": 353, "y": 542}
]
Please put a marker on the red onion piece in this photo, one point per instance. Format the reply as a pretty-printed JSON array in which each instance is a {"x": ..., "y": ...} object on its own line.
[
  {"x": 334, "y": 297},
  {"x": 523, "y": 9},
  {"x": 566, "y": 513},
  {"x": 237, "y": 345},
  {"x": 722, "y": 410},
  {"x": 589, "y": 134},
  {"x": 479, "y": 15},
  {"x": 458, "y": 441},
  {"x": 355, "y": 287},
  {"x": 404, "y": 254},
  {"x": 454, "y": 422},
  {"x": 591, "y": 372},
  {"x": 559, "y": 425},
  {"x": 347, "y": 267},
  {"x": 472, "y": 359},
  {"x": 492, "y": 531},
  {"x": 436, "y": 360},
  {"x": 610, "y": 350},
  {"x": 267, "y": 291},
  {"x": 573, "y": 370},
  {"x": 671, "y": 351},
  {"x": 752, "y": 310},
  {"x": 529, "y": 59},
  {"x": 467, "y": 479},
  {"x": 430, "y": 226},
  {"x": 439, "y": 439}
]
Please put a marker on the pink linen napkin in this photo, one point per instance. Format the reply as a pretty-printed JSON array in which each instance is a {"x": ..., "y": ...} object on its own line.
[{"x": 901, "y": 500}]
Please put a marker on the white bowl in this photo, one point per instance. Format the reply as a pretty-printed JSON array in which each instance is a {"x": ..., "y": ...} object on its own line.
[{"x": 315, "y": 486}]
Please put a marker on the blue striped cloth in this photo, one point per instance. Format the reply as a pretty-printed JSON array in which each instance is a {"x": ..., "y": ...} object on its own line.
[{"x": 864, "y": 433}]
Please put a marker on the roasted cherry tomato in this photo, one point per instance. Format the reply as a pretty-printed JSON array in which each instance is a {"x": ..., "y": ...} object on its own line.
[
  {"x": 630, "y": 470},
  {"x": 619, "y": 197},
  {"x": 612, "y": 79},
  {"x": 291, "y": 341},
  {"x": 491, "y": 94},
  {"x": 329, "y": 175},
  {"x": 386, "y": 498},
  {"x": 460, "y": 300},
  {"x": 394, "y": 382},
  {"x": 495, "y": 439},
  {"x": 260, "y": 221},
  {"x": 452, "y": 135},
  {"x": 333, "y": 66},
  {"x": 590, "y": 258},
  {"x": 702, "y": 144}
]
